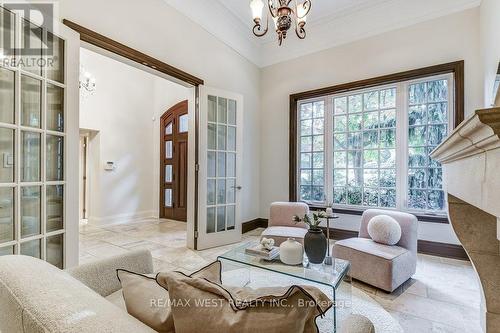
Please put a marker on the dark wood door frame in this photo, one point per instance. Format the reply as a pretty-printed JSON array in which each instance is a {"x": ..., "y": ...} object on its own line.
[
  {"x": 178, "y": 183},
  {"x": 106, "y": 43},
  {"x": 120, "y": 49}
]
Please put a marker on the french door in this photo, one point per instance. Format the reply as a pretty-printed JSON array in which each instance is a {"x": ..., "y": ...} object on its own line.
[
  {"x": 220, "y": 157},
  {"x": 38, "y": 135},
  {"x": 174, "y": 162}
]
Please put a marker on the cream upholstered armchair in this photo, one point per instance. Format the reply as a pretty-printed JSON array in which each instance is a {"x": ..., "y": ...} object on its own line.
[
  {"x": 383, "y": 266},
  {"x": 281, "y": 225}
]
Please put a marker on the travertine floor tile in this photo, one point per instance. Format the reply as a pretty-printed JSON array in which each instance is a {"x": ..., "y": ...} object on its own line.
[
  {"x": 412, "y": 324},
  {"x": 426, "y": 308},
  {"x": 443, "y": 296},
  {"x": 106, "y": 251},
  {"x": 142, "y": 245}
]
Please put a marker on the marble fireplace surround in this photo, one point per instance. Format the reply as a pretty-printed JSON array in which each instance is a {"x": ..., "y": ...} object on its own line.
[{"x": 471, "y": 173}]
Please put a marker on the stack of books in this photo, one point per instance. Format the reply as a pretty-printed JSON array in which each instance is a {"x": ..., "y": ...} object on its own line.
[{"x": 259, "y": 251}]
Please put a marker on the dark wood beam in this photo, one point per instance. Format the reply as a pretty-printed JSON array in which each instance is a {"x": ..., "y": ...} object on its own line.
[{"x": 120, "y": 49}]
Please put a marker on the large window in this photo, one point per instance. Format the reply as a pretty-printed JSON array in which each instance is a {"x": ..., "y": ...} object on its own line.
[{"x": 370, "y": 147}]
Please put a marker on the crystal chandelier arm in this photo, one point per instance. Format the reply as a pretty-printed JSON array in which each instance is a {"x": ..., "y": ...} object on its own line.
[
  {"x": 300, "y": 31},
  {"x": 257, "y": 28},
  {"x": 306, "y": 5},
  {"x": 300, "y": 18},
  {"x": 272, "y": 9}
]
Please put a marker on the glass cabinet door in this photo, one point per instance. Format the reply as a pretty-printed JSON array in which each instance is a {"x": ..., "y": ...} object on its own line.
[{"x": 32, "y": 140}]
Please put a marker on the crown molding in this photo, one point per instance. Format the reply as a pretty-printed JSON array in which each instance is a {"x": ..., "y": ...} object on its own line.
[
  {"x": 219, "y": 21},
  {"x": 388, "y": 16},
  {"x": 347, "y": 25}
]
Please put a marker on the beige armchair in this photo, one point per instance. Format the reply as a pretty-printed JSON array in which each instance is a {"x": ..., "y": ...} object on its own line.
[
  {"x": 383, "y": 266},
  {"x": 281, "y": 225}
]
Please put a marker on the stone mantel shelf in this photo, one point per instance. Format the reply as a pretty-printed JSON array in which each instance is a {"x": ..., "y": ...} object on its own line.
[
  {"x": 475, "y": 135},
  {"x": 471, "y": 176},
  {"x": 471, "y": 160}
]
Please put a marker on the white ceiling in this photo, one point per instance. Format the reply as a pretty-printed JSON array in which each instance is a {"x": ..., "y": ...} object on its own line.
[
  {"x": 330, "y": 23},
  {"x": 323, "y": 9}
]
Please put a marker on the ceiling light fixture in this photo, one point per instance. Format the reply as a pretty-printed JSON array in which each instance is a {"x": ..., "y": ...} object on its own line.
[
  {"x": 283, "y": 17},
  {"x": 87, "y": 82}
]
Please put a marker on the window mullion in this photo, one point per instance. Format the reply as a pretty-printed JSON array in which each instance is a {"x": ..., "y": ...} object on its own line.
[
  {"x": 401, "y": 145},
  {"x": 328, "y": 149}
]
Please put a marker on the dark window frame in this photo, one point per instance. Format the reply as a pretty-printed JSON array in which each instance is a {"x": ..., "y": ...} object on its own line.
[{"x": 456, "y": 68}]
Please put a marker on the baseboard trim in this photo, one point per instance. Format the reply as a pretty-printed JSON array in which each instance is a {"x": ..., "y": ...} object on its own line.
[
  {"x": 253, "y": 224},
  {"x": 453, "y": 251},
  {"x": 339, "y": 234}
]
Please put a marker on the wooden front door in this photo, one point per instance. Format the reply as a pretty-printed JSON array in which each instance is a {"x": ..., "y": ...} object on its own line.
[{"x": 173, "y": 166}]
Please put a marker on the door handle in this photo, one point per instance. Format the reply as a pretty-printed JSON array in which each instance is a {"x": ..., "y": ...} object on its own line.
[{"x": 237, "y": 187}]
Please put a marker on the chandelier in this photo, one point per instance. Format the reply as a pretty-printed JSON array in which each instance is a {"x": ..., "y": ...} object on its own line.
[
  {"x": 87, "y": 82},
  {"x": 283, "y": 16}
]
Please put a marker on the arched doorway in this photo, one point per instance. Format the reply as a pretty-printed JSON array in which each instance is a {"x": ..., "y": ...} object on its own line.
[{"x": 173, "y": 162}]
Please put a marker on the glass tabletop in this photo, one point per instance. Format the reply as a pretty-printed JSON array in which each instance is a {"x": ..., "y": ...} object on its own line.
[{"x": 330, "y": 275}]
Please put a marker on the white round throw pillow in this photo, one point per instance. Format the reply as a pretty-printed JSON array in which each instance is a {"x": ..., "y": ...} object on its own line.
[{"x": 384, "y": 229}]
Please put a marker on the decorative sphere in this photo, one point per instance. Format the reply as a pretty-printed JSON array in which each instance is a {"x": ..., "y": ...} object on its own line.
[{"x": 384, "y": 229}]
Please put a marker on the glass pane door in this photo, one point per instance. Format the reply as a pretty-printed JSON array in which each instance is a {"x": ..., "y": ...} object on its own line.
[
  {"x": 32, "y": 141},
  {"x": 220, "y": 135},
  {"x": 221, "y": 169}
]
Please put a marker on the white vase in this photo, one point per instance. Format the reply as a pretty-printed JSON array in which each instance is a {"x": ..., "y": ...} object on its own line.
[{"x": 291, "y": 252}]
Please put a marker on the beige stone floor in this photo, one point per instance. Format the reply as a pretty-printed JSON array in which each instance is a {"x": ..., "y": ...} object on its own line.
[{"x": 443, "y": 296}]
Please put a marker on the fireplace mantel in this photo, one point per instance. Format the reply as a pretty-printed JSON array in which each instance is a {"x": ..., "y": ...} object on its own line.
[
  {"x": 471, "y": 176},
  {"x": 471, "y": 160}
]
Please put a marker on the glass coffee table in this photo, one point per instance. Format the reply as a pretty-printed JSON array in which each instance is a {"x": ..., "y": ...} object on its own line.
[{"x": 331, "y": 279}]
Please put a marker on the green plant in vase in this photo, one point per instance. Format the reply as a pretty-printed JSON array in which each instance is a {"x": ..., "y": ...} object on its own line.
[
  {"x": 312, "y": 223},
  {"x": 315, "y": 243}
]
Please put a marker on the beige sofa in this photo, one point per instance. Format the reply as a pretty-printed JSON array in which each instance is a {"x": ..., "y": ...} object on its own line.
[{"x": 38, "y": 297}]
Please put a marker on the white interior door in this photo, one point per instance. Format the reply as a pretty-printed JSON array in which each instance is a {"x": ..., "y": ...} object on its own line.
[
  {"x": 39, "y": 132},
  {"x": 220, "y": 158}
]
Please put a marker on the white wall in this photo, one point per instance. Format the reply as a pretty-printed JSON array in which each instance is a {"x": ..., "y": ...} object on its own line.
[
  {"x": 490, "y": 45},
  {"x": 160, "y": 31},
  {"x": 124, "y": 111},
  {"x": 166, "y": 34},
  {"x": 450, "y": 38}
]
